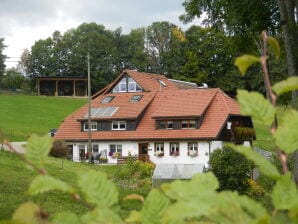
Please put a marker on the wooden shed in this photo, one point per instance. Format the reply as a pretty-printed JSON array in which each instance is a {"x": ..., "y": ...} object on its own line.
[{"x": 62, "y": 86}]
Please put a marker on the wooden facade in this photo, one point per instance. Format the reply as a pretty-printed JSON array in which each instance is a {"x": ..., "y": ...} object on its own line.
[{"x": 62, "y": 86}]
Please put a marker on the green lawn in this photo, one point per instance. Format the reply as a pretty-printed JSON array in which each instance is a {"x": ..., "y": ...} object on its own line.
[
  {"x": 15, "y": 179},
  {"x": 22, "y": 115}
]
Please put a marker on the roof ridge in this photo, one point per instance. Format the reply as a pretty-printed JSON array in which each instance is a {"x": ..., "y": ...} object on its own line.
[{"x": 224, "y": 100}]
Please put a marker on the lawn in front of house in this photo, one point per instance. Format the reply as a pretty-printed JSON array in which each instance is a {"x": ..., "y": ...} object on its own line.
[{"x": 15, "y": 179}]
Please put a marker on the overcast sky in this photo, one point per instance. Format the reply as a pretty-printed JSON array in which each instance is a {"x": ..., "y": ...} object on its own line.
[{"x": 22, "y": 22}]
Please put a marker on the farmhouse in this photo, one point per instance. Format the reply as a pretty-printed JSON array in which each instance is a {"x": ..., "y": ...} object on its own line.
[{"x": 152, "y": 117}]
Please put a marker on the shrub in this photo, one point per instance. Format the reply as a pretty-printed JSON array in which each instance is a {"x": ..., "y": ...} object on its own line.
[
  {"x": 59, "y": 149},
  {"x": 231, "y": 169},
  {"x": 255, "y": 191}
]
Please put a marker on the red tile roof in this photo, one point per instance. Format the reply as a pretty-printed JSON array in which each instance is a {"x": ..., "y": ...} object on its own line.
[{"x": 213, "y": 106}]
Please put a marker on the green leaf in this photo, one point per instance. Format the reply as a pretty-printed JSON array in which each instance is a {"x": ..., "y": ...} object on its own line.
[
  {"x": 284, "y": 194},
  {"x": 195, "y": 198},
  {"x": 98, "y": 189},
  {"x": 102, "y": 215},
  {"x": 274, "y": 45},
  {"x": 286, "y": 86},
  {"x": 37, "y": 149},
  {"x": 27, "y": 213},
  {"x": 134, "y": 217},
  {"x": 264, "y": 165},
  {"x": 233, "y": 208},
  {"x": 245, "y": 61},
  {"x": 199, "y": 183},
  {"x": 44, "y": 183},
  {"x": 286, "y": 135},
  {"x": 154, "y": 207},
  {"x": 65, "y": 218},
  {"x": 255, "y": 105}
]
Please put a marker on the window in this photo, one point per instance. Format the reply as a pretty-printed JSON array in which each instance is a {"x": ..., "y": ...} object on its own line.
[
  {"x": 192, "y": 149},
  {"x": 165, "y": 124},
  {"x": 174, "y": 149},
  {"x": 107, "y": 99},
  {"x": 95, "y": 148},
  {"x": 159, "y": 149},
  {"x": 115, "y": 150},
  {"x": 188, "y": 124},
  {"x": 118, "y": 125},
  {"x": 127, "y": 84},
  {"x": 135, "y": 98},
  {"x": 93, "y": 126}
]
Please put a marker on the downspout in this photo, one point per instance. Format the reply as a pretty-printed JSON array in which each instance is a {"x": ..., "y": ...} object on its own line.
[{"x": 209, "y": 151}]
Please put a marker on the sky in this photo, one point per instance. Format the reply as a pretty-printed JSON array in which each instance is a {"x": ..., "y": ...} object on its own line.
[{"x": 22, "y": 22}]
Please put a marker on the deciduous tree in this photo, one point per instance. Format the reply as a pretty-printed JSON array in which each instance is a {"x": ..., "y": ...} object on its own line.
[{"x": 2, "y": 57}]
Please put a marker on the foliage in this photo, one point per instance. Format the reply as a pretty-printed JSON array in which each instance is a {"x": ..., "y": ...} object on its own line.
[
  {"x": 133, "y": 170},
  {"x": 2, "y": 57},
  {"x": 59, "y": 149},
  {"x": 13, "y": 80},
  {"x": 255, "y": 190},
  {"x": 231, "y": 169}
]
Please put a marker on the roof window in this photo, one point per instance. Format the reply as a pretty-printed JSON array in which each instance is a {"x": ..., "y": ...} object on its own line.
[
  {"x": 107, "y": 99},
  {"x": 136, "y": 98}
]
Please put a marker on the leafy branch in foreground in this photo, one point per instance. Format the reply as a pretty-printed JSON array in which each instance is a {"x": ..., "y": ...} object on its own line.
[{"x": 255, "y": 105}]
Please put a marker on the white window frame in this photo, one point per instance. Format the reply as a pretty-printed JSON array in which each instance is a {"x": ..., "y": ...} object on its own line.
[
  {"x": 159, "y": 146},
  {"x": 118, "y": 149},
  {"x": 176, "y": 149},
  {"x": 93, "y": 126},
  {"x": 118, "y": 124}
]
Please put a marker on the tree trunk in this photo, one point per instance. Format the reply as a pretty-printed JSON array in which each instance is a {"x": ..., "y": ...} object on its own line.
[{"x": 290, "y": 36}]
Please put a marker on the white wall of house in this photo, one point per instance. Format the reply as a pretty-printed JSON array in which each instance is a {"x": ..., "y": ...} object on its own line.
[
  {"x": 204, "y": 150},
  {"x": 127, "y": 147}
]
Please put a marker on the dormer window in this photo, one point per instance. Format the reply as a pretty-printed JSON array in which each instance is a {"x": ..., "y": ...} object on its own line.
[
  {"x": 127, "y": 84},
  {"x": 118, "y": 125},
  {"x": 107, "y": 99},
  {"x": 93, "y": 126},
  {"x": 188, "y": 124}
]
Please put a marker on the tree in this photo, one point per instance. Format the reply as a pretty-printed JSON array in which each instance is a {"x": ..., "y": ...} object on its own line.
[
  {"x": 24, "y": 65},
  {"x": 2, "y": 58},
  {"x": 288, "y": 12},
  {"x": 12, "y": 79},
  {"x": 231, "y": 169},
  {"x": 246, "y": 19},
  {"x": 157, "y": 41}
]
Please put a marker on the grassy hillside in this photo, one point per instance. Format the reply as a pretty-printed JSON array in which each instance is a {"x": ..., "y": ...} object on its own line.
[
  {"x": 15, "y": 179},
  {"x": 21, "y": 115}
]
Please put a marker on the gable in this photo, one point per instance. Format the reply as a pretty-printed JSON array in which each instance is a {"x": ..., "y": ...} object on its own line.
[{"x": 127, "y": 84}]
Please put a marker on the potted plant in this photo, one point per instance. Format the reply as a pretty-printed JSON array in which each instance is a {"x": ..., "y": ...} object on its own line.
[
  {"x": 159, "y": 153},
  {"x": 193, "y": 153},
  {"x": 175, "y": 153}
]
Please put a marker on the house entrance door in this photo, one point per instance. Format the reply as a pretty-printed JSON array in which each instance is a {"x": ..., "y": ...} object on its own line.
[{"x": 143, "y": 152}]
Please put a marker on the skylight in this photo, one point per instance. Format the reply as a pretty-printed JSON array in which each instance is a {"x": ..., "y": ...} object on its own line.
[
  {"x": 136, "y": 98},
  {"x": 102, "y": 111},
  {"x": 107, "y": 99}
]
